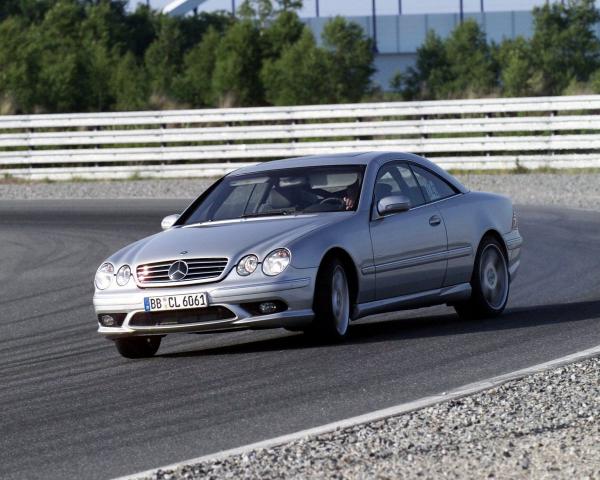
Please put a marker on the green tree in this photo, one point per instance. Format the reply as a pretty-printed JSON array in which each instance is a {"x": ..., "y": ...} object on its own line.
[
  {"x": 350, "y": 57},
  {"x": 19, "y": 67},
  {"x": 428, "y": 78},
  {"x": 99, "y": 68},
  {"x": 163, "y": 57},
  {"x": 257, "y": 11},
  {"x": 129, "y": 84},
  {"x": 27, "y": 10},
  {"x": 595, "y": 82},
  {"x": 299, "y": 76},
  {"x": 80, "y": 55},
  {"x": 62, "y": 61},
  {"x": 104, "y": 39},
  {"x": 289, "y": 5},
  {"x": 518, "y": 76},
  {"x": 236, "y": 77},
  {"x": 565, "y": 44},
  {"x": 142, "y": 30},
  {"x": 285, "y": 30},
  {"x": 194, "y": 27},
  {"x": 195, "y": 84},
  {"x": 105, "y": 23},
  {"x": 461, "y": 65},
  {"x": 472, "y": 70}
]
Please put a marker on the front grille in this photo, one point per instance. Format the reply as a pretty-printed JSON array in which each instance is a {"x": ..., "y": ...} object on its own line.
[
  {"x": 197, "y": 269},
  {"x": 180, "y": 317}
]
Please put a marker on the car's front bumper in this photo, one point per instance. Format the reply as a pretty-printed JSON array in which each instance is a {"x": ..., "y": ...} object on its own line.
[{"x": 295, "y": 288}]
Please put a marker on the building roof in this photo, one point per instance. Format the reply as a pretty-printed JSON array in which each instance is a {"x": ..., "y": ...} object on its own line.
[{"x": 181, "y": 7}]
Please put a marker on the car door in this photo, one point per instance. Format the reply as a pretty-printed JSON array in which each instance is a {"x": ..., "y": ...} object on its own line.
[
  {"x": 461, "y": 252},
  {"x": 408, "y": 247}
]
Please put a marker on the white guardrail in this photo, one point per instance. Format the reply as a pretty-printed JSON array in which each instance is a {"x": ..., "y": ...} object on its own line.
[{"x": 504, "y": 133}]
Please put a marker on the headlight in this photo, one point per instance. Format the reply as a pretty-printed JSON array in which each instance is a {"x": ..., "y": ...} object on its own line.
[
  {"x": 247, "y": 265},
  {"x": 104, "y": 276},
  {"x": 276, "y": 261},
  {"x": 123, "y": 275}
]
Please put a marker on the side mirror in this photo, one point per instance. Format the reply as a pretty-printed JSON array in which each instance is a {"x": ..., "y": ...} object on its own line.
[
  {"x": 169, "y": 221},
  {"x": 393, "y": 204}
]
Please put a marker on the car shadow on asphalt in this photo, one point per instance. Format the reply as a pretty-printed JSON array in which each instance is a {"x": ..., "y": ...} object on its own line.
[{"x": 414, "y": 327}]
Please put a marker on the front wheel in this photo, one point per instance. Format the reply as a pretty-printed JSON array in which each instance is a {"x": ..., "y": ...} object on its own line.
[
  {"x": 138, "y": 347},
  {"x": 490, "y": 283},
  {"x": 332, "y": 302}
]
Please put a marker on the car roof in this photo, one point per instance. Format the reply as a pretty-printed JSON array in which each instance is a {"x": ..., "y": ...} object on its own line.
[
  {"x": 361, "y": 158},
  {"x": 313, "y": 160}
]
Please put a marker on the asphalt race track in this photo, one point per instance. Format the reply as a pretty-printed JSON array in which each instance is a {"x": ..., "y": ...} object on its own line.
[{"x": 71, "y": 407}]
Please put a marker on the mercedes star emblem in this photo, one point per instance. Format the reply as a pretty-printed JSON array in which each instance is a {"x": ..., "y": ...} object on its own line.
[{"x": 178, "y": 270}]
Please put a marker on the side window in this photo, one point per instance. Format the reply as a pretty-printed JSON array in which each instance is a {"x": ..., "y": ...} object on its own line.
[
  {"x": 397, "y": 179},
  {"x": 434, "y": 187}
]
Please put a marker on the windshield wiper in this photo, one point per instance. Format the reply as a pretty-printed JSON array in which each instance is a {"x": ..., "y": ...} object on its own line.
[{"x": 267, "y": 214}]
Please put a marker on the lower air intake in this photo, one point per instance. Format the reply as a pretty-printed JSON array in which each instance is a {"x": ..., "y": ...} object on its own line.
[{"x": 180, "y": 317}]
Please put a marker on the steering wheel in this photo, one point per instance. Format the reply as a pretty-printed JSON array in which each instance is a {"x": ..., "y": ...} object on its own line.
[{"x": 331, "y": 200}]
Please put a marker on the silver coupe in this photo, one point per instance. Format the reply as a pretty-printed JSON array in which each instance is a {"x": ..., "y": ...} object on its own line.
[{"x": 310, "y": 244}]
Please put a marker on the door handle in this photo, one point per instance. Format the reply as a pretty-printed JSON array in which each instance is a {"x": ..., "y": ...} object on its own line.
[{"x": 435, "y": 221}]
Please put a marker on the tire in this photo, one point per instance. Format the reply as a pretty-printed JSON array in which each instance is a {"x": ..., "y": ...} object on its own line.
[
  {"x": 138, "y": 347},
  {"x": 332, "y": 304},
  {"x": 490, "y": 283}
]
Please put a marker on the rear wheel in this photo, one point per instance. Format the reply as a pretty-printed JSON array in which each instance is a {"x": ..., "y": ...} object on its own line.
[
  {"x": 138, "y": 347},
  {"x": 490, "y": 283},
  {"x": 332, "y": 302}
]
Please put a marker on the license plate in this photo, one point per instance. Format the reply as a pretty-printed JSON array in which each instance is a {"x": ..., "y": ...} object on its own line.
[{"x": 175, "y": 302}]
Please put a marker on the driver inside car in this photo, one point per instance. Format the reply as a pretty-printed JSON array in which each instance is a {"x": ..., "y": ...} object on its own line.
[
  {"x": 350, "y": 196},
  {"x": 294, "y": 194}
]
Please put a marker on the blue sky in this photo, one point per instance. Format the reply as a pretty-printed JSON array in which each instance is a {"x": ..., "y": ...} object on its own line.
[{"x": 384, "y": 7}]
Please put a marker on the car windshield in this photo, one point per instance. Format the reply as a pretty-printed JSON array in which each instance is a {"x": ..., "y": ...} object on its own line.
[{"x": 280, "y": 192}]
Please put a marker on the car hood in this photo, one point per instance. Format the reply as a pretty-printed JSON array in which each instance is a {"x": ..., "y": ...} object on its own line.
[{"x": 230, "y": 239}]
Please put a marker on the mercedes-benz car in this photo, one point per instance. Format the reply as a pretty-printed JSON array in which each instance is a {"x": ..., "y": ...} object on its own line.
[{"x": 311, "y": 244}]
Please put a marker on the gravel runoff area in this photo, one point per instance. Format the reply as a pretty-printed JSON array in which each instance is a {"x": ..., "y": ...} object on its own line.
[
  {"x": 546, "y": 425},
  {"x": 578, "y": 190}
]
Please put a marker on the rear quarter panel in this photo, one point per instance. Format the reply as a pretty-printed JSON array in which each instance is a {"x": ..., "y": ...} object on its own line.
[{"x": 467, "y": 218}]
